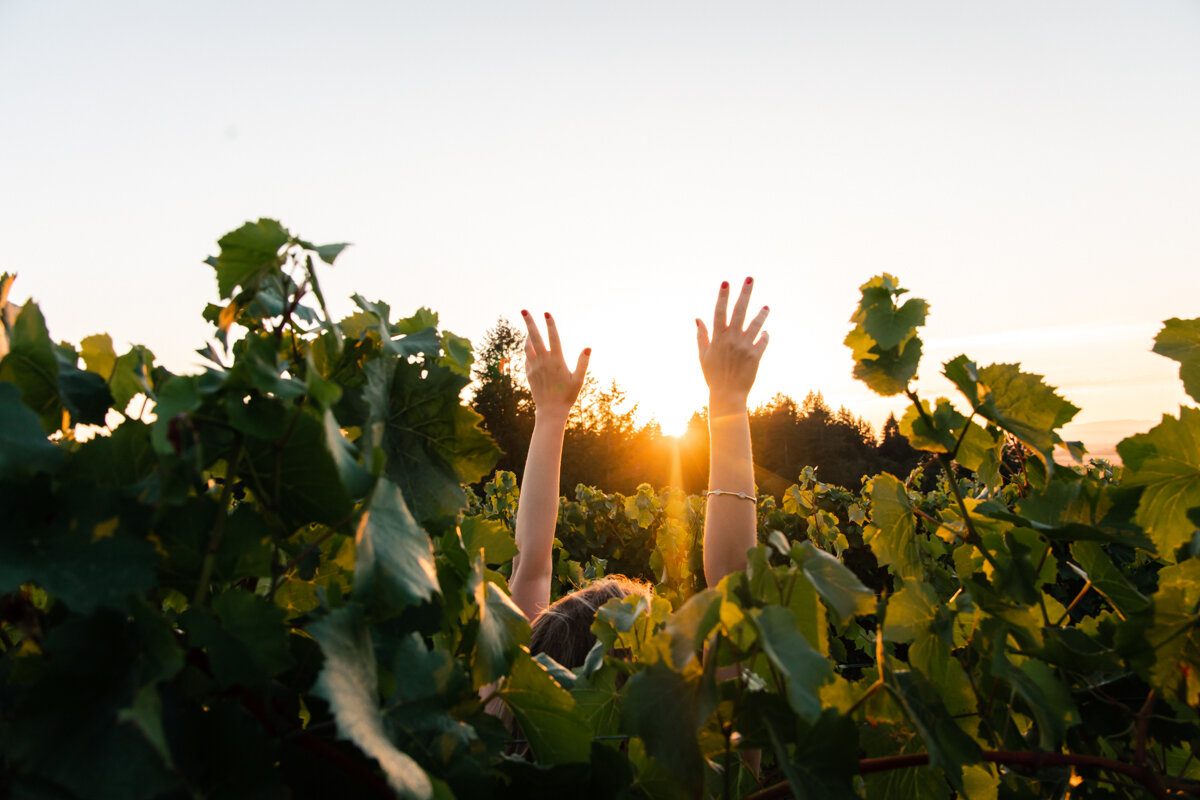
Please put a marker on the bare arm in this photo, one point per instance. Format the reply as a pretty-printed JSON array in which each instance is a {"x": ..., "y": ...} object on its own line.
[
  {"x": 730, "y": 363},
  {"x": 554, "y": 388}
]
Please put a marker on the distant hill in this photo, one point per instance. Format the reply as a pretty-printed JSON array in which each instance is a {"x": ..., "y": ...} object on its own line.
[{"x": 1101, "y": 438}]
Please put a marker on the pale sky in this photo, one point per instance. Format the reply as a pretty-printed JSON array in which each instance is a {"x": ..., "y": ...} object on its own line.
[{"x": 1030, "y": 168}]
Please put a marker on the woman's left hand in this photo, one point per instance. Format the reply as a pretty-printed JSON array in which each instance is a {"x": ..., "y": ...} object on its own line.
[{"x": 554, "y": 387}]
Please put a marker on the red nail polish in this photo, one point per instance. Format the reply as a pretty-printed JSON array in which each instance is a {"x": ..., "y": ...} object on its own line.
[
  {"x": 587, "y": 351},
  {"x": 724, "y": 284},
  {"x": 697, "y": 323},
  {"x": 524, "y": 313},
  {"x": 547, "y": 315},
  {"x": 766, "y": 308},
  {"x": 749, "y": 281}
]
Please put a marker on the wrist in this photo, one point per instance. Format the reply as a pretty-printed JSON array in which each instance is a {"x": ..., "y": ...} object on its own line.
[
  {"x": 551, "y": 416},
  {"x": 724, "y": 404}
]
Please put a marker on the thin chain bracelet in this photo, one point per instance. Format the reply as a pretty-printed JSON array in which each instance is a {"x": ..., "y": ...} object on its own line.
[{"x": 743, "y": 495}]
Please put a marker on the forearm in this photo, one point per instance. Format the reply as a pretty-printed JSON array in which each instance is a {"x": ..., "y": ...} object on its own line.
[
  {"x": 537, "y": 515},
  {"x": 730, "y": 522}
]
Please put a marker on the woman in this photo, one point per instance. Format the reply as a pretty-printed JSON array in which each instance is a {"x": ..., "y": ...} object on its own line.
[{"x": 729, "y": 358}]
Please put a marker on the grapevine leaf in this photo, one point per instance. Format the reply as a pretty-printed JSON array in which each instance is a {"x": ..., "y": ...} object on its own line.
[
  {"x": 911, "y": 611},
  {"x": 690, "y": 625},
  {"x": 503, "y": 631},
  {"x": 935, "y": 431},
  {"x": 950, "y": 748},
  {"x": 84, "y": 395},
  {"x": 432, "y": 441},
  {"x": 1166, "y": 461},
  {"x": 494, "y": 538},
  {"x": 130, "y": 376},
  {"x": 1018, "y": 402},
  {"x": 244, "y": 636},
  {"x": 893, "y": 528},
  {"x": 98, "y": 354},
  {"x": 393, "y": 565},
  {"x": 801, "y": 666},
  {"x": 329, "y": 252},
  {"x": 24, "y": 447},
  {"x": 1109, "y": 581},
  {"x": 884, "y": 342},
  {"x": 660, "y": 709},
  {"x": 301, "y": 472},
  {"x": 599, "y": 700},
  {"x": 354, "y": 475},
  {"x": 1179, "y": 340},
  {"x": 547, "y": 713},
  {"x": 458, "y": 355},
  {"x": 32, "y": 366},
  {"x": 819, "y": 760},
  {"x": 247, "y": 253},
  {"x": 348, "y": 681},
  {"x": 834, "y": 581},
  {"x": 1045, "y": 695},
  {"x": 1175, "y": 635}
]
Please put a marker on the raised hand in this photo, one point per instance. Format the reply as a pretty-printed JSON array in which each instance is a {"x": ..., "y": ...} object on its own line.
[
  {"x": 554, "y": 387},
  {"x": 730, "y": 358}
]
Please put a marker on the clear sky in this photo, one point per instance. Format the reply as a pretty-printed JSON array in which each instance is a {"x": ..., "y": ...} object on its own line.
[{"x": 1031, "y": 168}]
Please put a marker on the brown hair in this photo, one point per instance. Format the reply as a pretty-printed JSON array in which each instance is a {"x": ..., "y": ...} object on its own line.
[{"x": 563, "y": 631}]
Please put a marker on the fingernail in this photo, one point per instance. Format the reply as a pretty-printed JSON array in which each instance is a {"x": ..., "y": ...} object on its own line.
[
  {"x": 524, "y": 313},
  {"x": 587, "y": 351},
  {"x": 547, "y": 315},
  {"x": 766, "y": 308},
  {"x": 749, "y": 281},
  {"x": 724, "y": 284}
]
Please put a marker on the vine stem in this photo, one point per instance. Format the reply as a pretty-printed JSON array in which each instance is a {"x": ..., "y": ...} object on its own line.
[
  {"x": 218, "y": 529},
  {"x": 1033, "y": 760},
  {"x": 1074, "y": 603},
  {"x": 879, "y": 663}
]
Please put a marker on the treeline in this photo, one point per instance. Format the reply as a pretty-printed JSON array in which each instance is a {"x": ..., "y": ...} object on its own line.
[{"x": 606, "y": 448}]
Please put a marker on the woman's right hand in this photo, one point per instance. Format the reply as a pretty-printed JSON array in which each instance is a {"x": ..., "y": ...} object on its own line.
[
  {"x": 730, "y": 359},
  {"x": 554, "y": 387}
]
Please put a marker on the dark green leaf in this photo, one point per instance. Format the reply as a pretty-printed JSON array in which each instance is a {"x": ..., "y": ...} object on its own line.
[
  {"x": 394, "y": 559},
  {"x": 834, "y": 581},
  {"x": 803, "y": 668},
  {"x": 503, "y": 632},
  {"x": 84, "y": 395},
  {"x": 1166, "y": 461},
  {"x": 24, "y": 447},
  {"x": 660, "y": 708},
  {"x": 31, "y": 365},
  {"x": 1107, "y": 579},
  {"x": 248, "y": 253},
  {"x": 547, "y": 714},
  {"x": 348, "y": 681},
  {"x": 1179, "y": 340},
  {"x": 329, "y": 252},
  {"x": 950, "y": 748},
  {"x": 246, "y": 641}
]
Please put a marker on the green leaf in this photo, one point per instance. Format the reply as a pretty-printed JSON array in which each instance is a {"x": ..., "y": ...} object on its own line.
[
  {"x": 950, "y": 748},
  {"x": 24, "y": 448},
  {"x": 503, "y": 631},
  {"x": 801, "y": 666},
  {"x": 355, "y": 477},
  {"x": 547, "y": 714},
  {"x": 1179, "y": 340},
  {"x": 349, "y": 682},
  {"x": 394, "y": 559},
  {"x": 1107, "y": 579},
  {"x": 911, "y": 611},
  {"x": 83, "y": 394},
  {"x": 1166, "y": 461},
  {"x": 146, "y": 714},
  {"x": 458, "y": 355},
  {"x": 660, "y": 709},
  {"x": 130, "y": 376},
  {"x": 492, "y": 537},
  {"x": 884, "y": 341},
  {"x": 248, "y": 253},
  {"x": 1018, "y": 402},
  {"x": 1047, "y": 697},
  {"x": 432, "y": 441},
  {"x": 892, "y": 534},
  {"x": 98, "y": 354},
  {"x": 329, "y": 252},
  {"x": 301, "y": 472},
  {"x": 834, "y": 581},
  {"x": 246, "y": 640},
  {"x": 32, "y": 366}
]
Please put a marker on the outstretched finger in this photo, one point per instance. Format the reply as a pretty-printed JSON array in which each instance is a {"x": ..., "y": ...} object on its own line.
[
  {"x": 534, "y": 338},
  {"x": 720, "y": 312},
  {"x": 738, "y": 318},
  {"x": 581, "y": 366},
  {"x": 552, "y": 334},
  {"x": 761, "y": 344},
  {"x": 756, "y": 324},
  {"x": 702, "y": 341}
]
